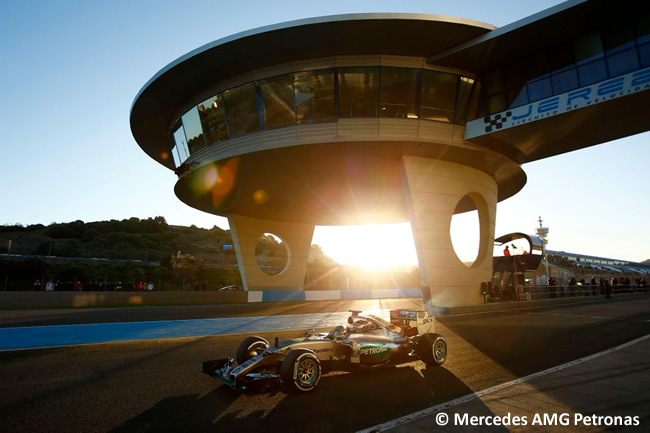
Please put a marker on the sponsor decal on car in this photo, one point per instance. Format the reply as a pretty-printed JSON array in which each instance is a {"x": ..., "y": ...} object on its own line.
[{"x": 374, "y": 350}]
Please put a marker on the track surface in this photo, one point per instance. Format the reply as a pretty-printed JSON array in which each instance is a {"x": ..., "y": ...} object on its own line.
[
  {"x": 11, "y": 318},
  {"x": 157, "y": 385}
]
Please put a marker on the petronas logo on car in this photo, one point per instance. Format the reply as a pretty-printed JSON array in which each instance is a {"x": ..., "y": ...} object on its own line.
[{"x": 374, "y": 350}]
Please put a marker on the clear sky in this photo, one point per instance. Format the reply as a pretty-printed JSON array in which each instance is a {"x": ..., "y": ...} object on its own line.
[{"x": 70, "y": 69}]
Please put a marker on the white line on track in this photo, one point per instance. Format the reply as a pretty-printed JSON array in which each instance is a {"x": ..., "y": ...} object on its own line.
[{"x": 443, "y": 406}]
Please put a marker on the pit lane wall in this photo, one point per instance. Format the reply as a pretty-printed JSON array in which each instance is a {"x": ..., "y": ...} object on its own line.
[{"x": 22, "y": 300}]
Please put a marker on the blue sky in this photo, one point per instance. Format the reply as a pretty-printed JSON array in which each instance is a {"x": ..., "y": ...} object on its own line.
[{"x": 70, "y": 71}]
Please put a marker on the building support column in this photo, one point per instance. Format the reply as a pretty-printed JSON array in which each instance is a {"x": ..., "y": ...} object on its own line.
[
  {"x": 297, "y": 238},
  {"x": 433, "y": 189}
]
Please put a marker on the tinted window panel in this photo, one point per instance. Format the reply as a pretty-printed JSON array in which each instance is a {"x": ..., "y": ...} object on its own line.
[
  {"x": 177, "y": 160},
  {"x": 588, "y": 47},
  {"x": 496, "y": 103},
  {"x": 241, "y": 108},
  {"x": 592, "y": 73},
  {"x": 358, "y": 92},
  {"x": 213, "y": 119},
  {"x": 565, "y": 81},
  {"x": 493, "y": 83},
  {"x": 181, "y": 145},
  {"x": 193, "y": 130},
  {"x": 644, "y": 53},
  {"x": 400, "y": 90},
  {"x": 438, "y": 96},
  {"x": 618, "y": 38},
  {"x": 561, "y": 58},
  {"x": 465, "y": 86},
  {"x": 515, "y": 75},
  {"x": 277, "y": 95},
  {"x": 517, "y": 97},
  {"x": 643, "y": 28},
  {"x": 539, "y": 89},
  {"x": 622, "y": 63},
  {"x": 315, "y": 96},
  {"x": 538, "y": 67}
]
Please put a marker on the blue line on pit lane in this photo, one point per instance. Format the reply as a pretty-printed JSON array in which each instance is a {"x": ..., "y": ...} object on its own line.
[{"x": 34, "y": 337}]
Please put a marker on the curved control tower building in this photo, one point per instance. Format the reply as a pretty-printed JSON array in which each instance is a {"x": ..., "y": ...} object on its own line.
[{"x": 378, "y": 118}]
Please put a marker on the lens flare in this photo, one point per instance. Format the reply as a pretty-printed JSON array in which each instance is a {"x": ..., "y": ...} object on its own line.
[
  {"x": 261, "y": 197},
  {"x": 224, "y": 182},
  {"x": 204, "y": 180}
]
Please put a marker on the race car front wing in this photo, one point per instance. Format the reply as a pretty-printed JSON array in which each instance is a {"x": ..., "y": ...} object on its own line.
[{"x": 237, "y": 377}]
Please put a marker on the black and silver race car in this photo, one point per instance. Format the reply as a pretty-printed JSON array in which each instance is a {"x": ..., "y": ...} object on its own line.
[{"x": 366, "y": 342}]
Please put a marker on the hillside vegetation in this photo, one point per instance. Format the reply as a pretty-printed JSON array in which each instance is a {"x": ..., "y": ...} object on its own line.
[{"x": 117, "y": 255}]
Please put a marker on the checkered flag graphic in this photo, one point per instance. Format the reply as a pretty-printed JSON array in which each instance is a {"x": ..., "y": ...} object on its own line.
[{"x": 496, "y": 122}]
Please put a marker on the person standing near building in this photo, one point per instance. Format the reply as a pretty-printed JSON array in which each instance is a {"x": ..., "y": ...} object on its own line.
[
  {"x": 592, "y": 283},
  {"x": 49, "y": 286}
]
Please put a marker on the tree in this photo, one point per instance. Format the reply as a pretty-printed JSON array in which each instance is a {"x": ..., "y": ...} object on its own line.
[{"x": 186, "y": 266}]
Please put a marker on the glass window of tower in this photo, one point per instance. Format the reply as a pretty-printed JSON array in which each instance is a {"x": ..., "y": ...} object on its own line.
[
  {"x": 438, "y": 96},
  {"x": 193, "y": 130},
  {"x": 358, "y": 92},
  {"x": 213, "y": 119},
  {"x": 315, "y": 96},
  {"x": 181, "y": 145},
  {"x": 242, "y": 109},
  {"x": 400, "y": 91},
  {"x": 277, "y": 95}
]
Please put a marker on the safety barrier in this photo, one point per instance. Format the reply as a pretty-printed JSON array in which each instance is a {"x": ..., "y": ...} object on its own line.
[
  {"x": 330, "y": 295},
  {"x": 538, "y": 293},
  {"x": 41, "y": 299}
]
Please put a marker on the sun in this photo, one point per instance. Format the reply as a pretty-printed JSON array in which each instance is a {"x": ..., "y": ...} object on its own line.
[
  {"x": 374, "y": 246},
  {"x": 391, "y": 246}
]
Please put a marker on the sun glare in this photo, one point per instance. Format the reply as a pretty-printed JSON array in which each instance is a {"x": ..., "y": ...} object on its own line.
[
  {"x": 390, "y": 246},
  {"x": 377, "y": 246}
]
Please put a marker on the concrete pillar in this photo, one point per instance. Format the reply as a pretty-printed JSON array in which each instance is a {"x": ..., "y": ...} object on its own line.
[
  {"x": 297, "y": 238},
  {"x": 433, "y": 189}
]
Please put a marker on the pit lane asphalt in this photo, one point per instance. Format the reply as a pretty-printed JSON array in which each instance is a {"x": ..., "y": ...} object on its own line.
[
  {"x": 53, "y": 317},
  {"x": 157, "y": 385}
]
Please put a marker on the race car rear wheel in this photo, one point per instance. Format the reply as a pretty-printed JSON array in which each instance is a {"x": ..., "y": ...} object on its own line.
[
  {"x": 300, "y": 370},
  {"x": 250, "y": 347},
  {"x": 432, "y": 349}
]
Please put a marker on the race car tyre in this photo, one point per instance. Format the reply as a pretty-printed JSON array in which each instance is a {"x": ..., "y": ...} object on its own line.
[
  {"x": 250, "y": 347},
  {"x": 432, "y": 349},
  {"x": 300, "y": 370}
]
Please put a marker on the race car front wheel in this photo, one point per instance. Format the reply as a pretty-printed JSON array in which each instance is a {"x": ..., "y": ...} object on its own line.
[
  {"x": 300, "y": 370},
  {"x": 432, "y": 349},
  {"x": 250, "y": 347}
]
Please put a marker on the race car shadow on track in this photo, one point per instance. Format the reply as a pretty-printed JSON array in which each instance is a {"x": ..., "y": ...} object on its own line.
[
  {"x": 342, "y": 403},
  {"x": 182, "y": 413}
]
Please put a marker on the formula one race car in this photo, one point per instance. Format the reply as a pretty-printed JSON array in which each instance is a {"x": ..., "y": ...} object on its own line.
[{"x": 367, "y": 342}]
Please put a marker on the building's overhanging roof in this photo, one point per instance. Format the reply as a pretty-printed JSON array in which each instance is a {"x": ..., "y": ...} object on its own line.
[
  {"x": 585, "y": 127},
  {"x": 534, "y": 34}
]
